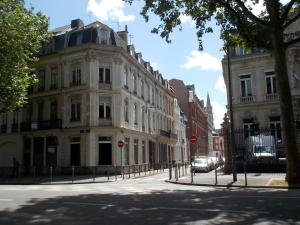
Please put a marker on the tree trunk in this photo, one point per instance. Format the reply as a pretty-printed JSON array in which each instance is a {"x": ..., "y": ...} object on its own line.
[{"x": 286, "y": 107}]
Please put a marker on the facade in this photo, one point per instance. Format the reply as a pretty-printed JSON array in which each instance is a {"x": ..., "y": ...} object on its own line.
[
  {"x": 218, "y": 144},
  {"x": 93, "y": 90},
  {"x": 181, "y": 148},
  {"x": 210, "y": 126},
  {"x": 255, "y": 99},
  {"x": 194, "y": 110}
]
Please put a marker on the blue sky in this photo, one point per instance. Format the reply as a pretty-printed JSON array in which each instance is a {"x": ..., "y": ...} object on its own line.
[{"x": 180, "y": 59}]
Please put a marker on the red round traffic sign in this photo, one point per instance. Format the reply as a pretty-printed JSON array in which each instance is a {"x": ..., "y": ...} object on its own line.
[
  {"x": 193, "y": 139},
  {"x": 120, "y": 144}
]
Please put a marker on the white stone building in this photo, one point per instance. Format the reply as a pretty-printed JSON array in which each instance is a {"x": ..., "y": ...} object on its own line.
[{"x": 93, "y": 90}]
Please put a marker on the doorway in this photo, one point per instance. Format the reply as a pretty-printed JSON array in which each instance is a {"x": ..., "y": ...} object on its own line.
[
  {"x": 105, "y": 151},
  {"x": 75, "y": 151},
  {"x": 38, "y": 152}
]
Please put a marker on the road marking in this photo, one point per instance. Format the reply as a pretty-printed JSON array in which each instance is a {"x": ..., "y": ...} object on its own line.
[{"x": 6, "y": 199}]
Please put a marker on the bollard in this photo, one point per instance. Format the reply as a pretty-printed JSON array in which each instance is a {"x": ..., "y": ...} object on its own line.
[
  {"x": 123, "y": 172},
  {"x": 178, "y": 171},
  {"x": 108, "y": 174},
  {"x": 50, "y": 174},
  {"x": 139, "y": 170},
  {"x": 73, "y": 170},
  {"x": 245, "y": 171},
  {"x": 216, "y": 176},
  {"x": 192, "y": 178},
  {"x": 116, "y": 173},
  {"x": 94, "y": 173},
  {"x": 134, "y": 170},
  {"x": 128, "y": 171},
  {"x": 170, "y": 172}
]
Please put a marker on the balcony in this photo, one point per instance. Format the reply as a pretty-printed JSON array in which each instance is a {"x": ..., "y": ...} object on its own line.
[
  {"x": 104, "y": 86},
  {"x": 167, "y": 134},
  {"x": 246, "y": 99},
  {"x": 41, "y": 125},
  {"x": 105, "y": 122},
  {"x": 3, "y": 128},
  {"x": 14, "y": 127},
  {"x": 271, "y": 97}
]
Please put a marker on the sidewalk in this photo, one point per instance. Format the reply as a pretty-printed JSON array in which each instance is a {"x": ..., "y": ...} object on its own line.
[
  {"x": 255, "y": 180},
  {"x": 77, "y": 179}
]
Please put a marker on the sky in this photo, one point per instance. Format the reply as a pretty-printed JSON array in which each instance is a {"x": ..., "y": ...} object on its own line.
[{"x": 180, "y": 59}]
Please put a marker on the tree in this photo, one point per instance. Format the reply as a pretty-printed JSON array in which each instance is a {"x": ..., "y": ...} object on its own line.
[
  {"x": 21, "y": 33},
  {"x": 265, "y": 31}
]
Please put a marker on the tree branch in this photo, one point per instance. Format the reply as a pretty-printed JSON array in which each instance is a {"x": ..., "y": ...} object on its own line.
[
  {"x": 251, "y": 16},
  {"x": 286, "y": 10},
  {"x": 291, "y": 21}
]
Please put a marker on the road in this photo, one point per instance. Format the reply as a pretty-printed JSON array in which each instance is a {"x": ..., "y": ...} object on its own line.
[{"x": 147, "y": 200}]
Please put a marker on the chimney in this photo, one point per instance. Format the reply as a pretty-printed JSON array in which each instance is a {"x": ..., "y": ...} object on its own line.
[
  {"x": 124, "y": 35},
  {"x": 77, "y": 23}
]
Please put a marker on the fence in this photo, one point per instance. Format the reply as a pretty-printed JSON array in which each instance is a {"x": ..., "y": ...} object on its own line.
[{"x": 77, "y": 174}]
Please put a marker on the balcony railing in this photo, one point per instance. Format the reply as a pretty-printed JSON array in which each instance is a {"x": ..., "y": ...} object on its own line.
[
  {"x": 168, "y": 134},
  {"x": 41, "y": 125},
  {"x": 104, "y": 86},
  {"x": 14, "y": 127},
  {"x": 3, "y": 128},
  {"x": 246, "y": 99},
  {"x": 271, "y": 97},
  {"x": 105, "y": 122}
]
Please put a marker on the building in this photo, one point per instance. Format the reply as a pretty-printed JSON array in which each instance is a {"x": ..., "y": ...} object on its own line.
[
  {"x": 194, "y": 110},
  {"x": 255, "y": 102},
  {"x": 181, "y": 147},
  {"x": 93, "y": 90},
  {"x": 218, "y": 144},
  {"x": 210, "y": 126}
]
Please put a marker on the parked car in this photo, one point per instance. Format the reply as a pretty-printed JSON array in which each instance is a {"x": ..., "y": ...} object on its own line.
[{"x": 201, "y": 164}]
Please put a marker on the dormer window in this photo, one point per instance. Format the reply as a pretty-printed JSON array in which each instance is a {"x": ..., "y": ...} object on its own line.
[{"x": 103, "y": 37}]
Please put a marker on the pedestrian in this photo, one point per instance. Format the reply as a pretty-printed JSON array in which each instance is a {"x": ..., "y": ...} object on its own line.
[{"x": 16, "y": 165}]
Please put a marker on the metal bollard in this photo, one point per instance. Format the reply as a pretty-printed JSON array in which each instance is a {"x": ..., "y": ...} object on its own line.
[
  {"x": 176, "y": 173},
  {"x": 50, "y": 174},
  {"x": 94, "y": 173},
  {"x": 73, "y": 170},
  {"x": 216, "y": 176},
  {"x": 116, "y": 173},
  {"x": 129, "y": 171},
  {"x": 192, "y": 178},
  {"x": 134, "y": 170},
  {"x": 108, "y": 174},
  {"x": 139, "y": 170},
  {"x": 245, "y": 171}
]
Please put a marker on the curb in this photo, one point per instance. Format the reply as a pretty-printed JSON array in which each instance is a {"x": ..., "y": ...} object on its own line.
[{"x": 234, "y": 186}]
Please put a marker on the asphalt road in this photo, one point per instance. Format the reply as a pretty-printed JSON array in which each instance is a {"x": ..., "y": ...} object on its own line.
[{"x": 143, "y": 201}]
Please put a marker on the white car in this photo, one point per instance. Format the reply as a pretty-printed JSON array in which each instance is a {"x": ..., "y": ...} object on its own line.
[{"x": 201, "y": 164}]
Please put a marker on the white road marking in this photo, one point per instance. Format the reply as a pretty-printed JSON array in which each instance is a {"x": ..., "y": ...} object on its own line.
[{"x": 6, "y": 200}]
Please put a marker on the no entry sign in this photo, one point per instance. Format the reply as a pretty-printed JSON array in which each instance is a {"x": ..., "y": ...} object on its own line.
[
  {"x": 120, "y": 143},
  {"x": 193, "y": 139}
]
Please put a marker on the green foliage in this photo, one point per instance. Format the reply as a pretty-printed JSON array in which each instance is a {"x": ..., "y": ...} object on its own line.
[
  {"x": 21, "y": 33},
  {"x": 235, "y": 18}
]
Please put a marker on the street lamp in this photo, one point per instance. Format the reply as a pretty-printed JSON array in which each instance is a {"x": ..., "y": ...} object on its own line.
[{"x": 232, "y": 140}]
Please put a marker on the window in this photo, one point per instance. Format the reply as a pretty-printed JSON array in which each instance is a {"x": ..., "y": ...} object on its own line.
[
  {"x": 134, "y": 84},
  {"x": 54, "y": 78},
  {"x": 143, "y": 152},
  {"x": 40, "y": 111},
  {"x": 275, "y": 127},
  {"x": 136, "y": 151},
  {"x": 75, "y": 109},
  {"x": 249, "y": 127},
  {"x": 143, "y": 118},
  {"x": 104, "y": 75},
  {"x": 103, "y": 37},
  {"x": 126, "y": 151},
  {"x": 125, "y": 78},
  {"x": 246, "y": 86},
  {"x": 41, "y": 82},
  {"x": 271, "y": 83},
  {"x": 126, "y": 110},
  {"x": 53, "y": 111},
  {"x": 105, "y": 108},
  {"x": 76, "y": 76},
  {"x": 135, "y": 114},
  {"x": 142, "y": 89}
]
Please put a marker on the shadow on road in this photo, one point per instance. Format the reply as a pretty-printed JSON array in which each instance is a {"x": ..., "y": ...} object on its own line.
[{"x": 214, "y": 206}]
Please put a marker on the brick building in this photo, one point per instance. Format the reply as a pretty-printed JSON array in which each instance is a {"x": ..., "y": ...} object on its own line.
[{"x": 194, "y": 109}]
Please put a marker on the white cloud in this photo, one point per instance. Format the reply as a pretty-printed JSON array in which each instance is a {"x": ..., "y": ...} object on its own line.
[
  {"x": 259, "y": 7},
  {"x": 155, "y": 65},
  {"x": 220, "y": 84},
  {"x": 187, "y": 19},
  {"x": 218, "y": 111},
  {"x": 109, "y": 10},
  {"x": 202, "y": 60}
]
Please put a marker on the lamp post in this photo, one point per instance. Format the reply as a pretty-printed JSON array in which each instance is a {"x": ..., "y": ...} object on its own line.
[{"x": 232, "y": 140}]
